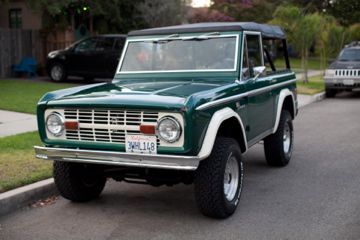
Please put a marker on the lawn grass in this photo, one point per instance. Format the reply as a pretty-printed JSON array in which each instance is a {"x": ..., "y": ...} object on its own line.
[
  {"x": 295, "y": 63},
  {"x": 18, "y": 165},
  {"x": 22, "y": 95},
  {"x": 315, "y": 85}
]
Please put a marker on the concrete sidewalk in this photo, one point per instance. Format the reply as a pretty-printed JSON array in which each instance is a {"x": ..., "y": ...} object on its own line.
[
  {"x": 12, "y": 123},
  {"x": 311, "y": 73}
]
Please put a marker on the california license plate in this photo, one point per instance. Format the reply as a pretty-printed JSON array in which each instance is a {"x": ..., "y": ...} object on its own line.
[
  {"x": 348, "y": 82},
  {"x": 141, "y": 144}
]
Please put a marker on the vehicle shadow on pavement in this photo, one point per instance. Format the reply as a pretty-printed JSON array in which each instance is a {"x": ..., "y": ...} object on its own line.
[
  {"x": 145, "y": 201},
  {"x": 348, "y": 95}
]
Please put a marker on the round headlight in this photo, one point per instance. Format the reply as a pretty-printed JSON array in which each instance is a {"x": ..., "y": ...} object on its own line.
[
  {"x": 55, "y": 124},
  {"x": 169, "y": 129}
]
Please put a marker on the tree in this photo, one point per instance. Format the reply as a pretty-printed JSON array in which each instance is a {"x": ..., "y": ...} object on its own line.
[
  {"x": 346, "y": 11},
  {"x": 354, "y": 32},
  {"x": 302, "y": 30},
  {"x": 330, "y": 39},
  {"x": 247, "y": 10},
  {"x": 157, "y": 13},
  {"x": 118, "y": 16},
  {"x": 208, "y": 15},
  {"x": 306, "y": 33}
]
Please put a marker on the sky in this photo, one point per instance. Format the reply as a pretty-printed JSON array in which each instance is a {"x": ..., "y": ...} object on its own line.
[{"x": 200, "y": 3}]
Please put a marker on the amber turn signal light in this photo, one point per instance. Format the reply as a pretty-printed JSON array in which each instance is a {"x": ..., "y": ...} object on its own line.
[
  {"x": 147, "y": 129},
  {"x": 71, "y": 125}
]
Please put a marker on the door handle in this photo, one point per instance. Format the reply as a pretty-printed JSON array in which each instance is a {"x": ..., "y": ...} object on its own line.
[{"x": 273, "y": 80}]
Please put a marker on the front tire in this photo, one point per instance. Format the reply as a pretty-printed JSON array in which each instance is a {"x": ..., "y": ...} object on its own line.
[
  {"x": 279, "y": 145},
  {"x": 78, "y": 182},
  {"x": 219, "y": 178},
  {"x": 57, "y": 72}
]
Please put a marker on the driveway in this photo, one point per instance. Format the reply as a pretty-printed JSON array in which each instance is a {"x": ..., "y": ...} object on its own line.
[{"x": 317, "y": 196}]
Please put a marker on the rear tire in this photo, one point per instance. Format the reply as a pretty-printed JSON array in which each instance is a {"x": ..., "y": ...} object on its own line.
[
  {"x": 219, "y": 178},
  {"x": 57, "y": 72},
  {"x": 330, "y": 93},
  {"x": 279, "y": 145},
  {"x": 78, "y": 182}
]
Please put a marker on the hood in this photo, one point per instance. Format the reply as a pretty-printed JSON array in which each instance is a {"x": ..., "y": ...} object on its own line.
[
  {"x": 345, "y": 65},
  {"x": 55, "y": 53},
  {"x": 136, "y": 94}
]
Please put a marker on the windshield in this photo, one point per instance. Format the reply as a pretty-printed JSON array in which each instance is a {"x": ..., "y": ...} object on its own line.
[
  {"x": 184, "y": 54},
  {"x": 351, "y": 54}
]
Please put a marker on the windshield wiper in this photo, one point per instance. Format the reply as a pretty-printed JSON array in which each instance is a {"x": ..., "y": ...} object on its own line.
[
  {"x": 166, "y": 39},
  {"x": 175, "y": 36},
  {"x": 204, "y": 36}
]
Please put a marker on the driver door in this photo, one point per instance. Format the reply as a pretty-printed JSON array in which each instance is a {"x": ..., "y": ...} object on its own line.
[{"x": 260, "y": 101}]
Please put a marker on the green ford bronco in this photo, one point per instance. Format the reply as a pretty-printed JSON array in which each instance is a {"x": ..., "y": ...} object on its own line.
[{"x": 185, "y": 104}]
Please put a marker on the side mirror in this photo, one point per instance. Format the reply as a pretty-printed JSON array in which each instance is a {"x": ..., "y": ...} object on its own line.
[{"x": 258, "y": 71}]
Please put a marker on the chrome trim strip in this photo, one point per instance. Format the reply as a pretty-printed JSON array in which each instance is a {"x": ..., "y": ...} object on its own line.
[
  {"x": 245, "y": 94},
  {"x": 175, "y": 162},
  {"x": 118, "y": 71}
]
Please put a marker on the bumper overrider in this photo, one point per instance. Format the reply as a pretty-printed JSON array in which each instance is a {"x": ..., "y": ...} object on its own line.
[{"x": 174, "y": 162}]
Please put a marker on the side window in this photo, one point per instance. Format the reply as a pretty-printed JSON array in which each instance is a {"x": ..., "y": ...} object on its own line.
[
  {"x": 86, "y": 45},
  {"x": 119, "y": 44},
  {"x": 274, "y": 55},
  {"x": 252, "y": 55},
  {"x": 15, "y": 18},
  {"x": 104, "y": 44}
]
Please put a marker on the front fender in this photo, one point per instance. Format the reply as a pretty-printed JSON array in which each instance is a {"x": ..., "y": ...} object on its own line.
[
  {"x": 283, "y": 94},
  {"x": 217, "y": 119}
]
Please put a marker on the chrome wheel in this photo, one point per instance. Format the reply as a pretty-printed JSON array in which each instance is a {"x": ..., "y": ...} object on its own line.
[
  {"x": 287, "y": 138},
  {"x": 231, "y": 178},
  {"x": 56, "y": 72}
]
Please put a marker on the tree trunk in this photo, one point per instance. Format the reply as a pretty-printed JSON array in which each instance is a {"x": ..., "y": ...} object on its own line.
[{"x": 306, "y": 78}]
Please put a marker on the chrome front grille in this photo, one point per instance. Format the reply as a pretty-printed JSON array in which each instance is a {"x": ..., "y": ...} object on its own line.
[
  {"x": 347, "y": 73},
  {"x": 98, "y": 125}
]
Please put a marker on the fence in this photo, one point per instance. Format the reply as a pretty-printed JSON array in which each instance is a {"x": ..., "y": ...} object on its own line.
[{"x": 16, "y": 44}]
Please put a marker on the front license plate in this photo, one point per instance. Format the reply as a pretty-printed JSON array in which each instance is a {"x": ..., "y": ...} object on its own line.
[
  {"x": 348, "y": 82},
  {"x": 141, "y": 144}
]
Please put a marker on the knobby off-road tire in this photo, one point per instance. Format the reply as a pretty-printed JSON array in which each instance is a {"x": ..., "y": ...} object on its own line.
[
  {"x": 219, "y": 178},
  {"x": 78, "y": 182},
  {"x": 279, "y": 146},
  {"x": 57, "y": 72},
  {"x": 330, "y": 93}
]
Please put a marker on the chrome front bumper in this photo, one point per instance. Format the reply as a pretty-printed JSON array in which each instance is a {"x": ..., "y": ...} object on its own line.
[{"x": 174, "y": 162}]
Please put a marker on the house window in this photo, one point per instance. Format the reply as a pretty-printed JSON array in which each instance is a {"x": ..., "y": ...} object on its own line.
[{"x": 15, "y": 20}]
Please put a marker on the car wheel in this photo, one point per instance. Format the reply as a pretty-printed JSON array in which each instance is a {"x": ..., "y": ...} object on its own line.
[
  {"x": 330, "y": 93},
  {"x": 279, "y": 145},
  {"x": 219, "y": 179},
  {"x": 78, "y": 182},
  {"x": 57, "y": 72}
]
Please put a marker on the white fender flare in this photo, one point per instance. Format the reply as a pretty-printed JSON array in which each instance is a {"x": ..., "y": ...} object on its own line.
[
  {"x": 217, "y": 119},
  {"x": 283, "y": 94}
]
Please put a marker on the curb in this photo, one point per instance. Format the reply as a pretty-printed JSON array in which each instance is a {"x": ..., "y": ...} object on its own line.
[
  {"x": 22, "y": 196},
  {"x": 319, "y": 96},
  {"x": 313, "y": 98}
]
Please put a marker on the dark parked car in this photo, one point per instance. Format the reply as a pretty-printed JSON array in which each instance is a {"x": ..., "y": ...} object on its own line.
[
  {"x": 88, "y": 58},
  {"x": 344, "y": 73}
]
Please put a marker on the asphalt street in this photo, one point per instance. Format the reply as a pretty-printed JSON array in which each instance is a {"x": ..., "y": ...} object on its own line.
[{"x": 317, "y": 196}]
